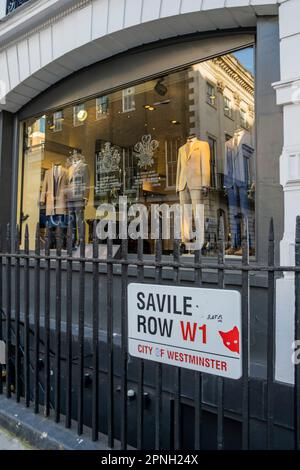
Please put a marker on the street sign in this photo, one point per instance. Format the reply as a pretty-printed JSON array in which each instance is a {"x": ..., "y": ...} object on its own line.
[{"x": 188, "y": 327}]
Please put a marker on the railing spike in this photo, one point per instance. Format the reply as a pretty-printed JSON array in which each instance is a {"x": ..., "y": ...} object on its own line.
[
  {"x": 271, "y": 230},
  {"x": 298, "y": 229}
]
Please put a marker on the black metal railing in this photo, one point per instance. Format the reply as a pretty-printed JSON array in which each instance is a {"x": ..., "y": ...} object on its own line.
[
  {"x": 12, "y": 5},
  {"x": 38, "y": 346}
]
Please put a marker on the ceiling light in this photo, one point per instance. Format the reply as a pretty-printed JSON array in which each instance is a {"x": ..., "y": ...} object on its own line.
[{"x": 149, "y": 107}]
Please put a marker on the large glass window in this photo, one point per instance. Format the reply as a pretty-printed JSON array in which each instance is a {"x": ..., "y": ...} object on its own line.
[{"x": 164, "y": 141}]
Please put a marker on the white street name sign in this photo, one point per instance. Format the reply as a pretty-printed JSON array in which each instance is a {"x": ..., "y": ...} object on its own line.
[{"x": 188, "y": 327}]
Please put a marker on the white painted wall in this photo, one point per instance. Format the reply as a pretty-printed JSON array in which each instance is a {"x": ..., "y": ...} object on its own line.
[{"x": 49, "y": 39}]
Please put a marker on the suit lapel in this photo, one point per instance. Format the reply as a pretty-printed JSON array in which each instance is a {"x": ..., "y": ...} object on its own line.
[{"x": 188, "y": 154}]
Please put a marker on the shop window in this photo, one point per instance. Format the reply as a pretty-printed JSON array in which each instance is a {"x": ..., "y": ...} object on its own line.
[
  {"x": 84, "y": 162},
  {"x": 102, "y": 107},
  {"x": 211, "y": 94},
  {"x": 128, "y": 101},
  {"x": 227, "y": 107}
]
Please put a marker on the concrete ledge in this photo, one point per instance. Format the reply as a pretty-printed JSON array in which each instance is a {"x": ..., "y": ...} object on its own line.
[{"x": 43, "y": 433}]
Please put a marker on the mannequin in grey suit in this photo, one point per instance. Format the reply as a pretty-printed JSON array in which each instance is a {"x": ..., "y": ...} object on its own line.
[
  {"x": 193, "y": 178},
  {"x": 78, "y": 191}
]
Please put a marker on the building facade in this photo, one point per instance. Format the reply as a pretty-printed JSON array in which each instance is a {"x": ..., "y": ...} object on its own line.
[{"x": 120, "y": 86}]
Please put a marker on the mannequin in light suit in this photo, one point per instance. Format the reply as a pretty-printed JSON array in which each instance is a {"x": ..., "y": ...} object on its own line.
[{"x": 193, "y": 179}]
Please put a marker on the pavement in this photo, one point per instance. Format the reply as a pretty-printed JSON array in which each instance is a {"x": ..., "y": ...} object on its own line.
[{"x": 10, "y": 442}]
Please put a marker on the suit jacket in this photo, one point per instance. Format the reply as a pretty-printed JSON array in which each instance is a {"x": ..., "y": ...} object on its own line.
[
  {"x": 193, "y": 167},
  {"x": 79, "y": 184},
  {"x": 55, "y": 203}
]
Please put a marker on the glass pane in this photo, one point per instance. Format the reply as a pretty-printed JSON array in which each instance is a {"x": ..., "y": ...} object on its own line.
[{"x": 185, "y": 140}]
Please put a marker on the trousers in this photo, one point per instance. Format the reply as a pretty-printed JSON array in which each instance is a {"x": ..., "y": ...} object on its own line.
[{"x": 192, "y": 210}]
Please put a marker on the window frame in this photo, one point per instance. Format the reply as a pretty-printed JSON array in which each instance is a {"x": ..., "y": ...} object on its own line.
[
  {"x": 228, "y": 113},
  {"x": 130, "y": 97},
  {"x": 209, "y": 100}
]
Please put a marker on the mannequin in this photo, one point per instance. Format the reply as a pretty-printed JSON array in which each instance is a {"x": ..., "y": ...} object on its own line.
[
  {"x": 192, "y": 182},
  {"x": 238, "y": 152},
  {"x": 78, "y": 190},
  {"x": 54, "y": 198}
]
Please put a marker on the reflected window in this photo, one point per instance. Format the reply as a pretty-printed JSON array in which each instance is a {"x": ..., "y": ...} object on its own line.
[
  {"x": 102, "y": 107},
  {"x": 128, "y": 101},
  {"x": 227, "y": 107},
  {"x": 243, "y": 118},
  {"x": 57, "y": 124}
]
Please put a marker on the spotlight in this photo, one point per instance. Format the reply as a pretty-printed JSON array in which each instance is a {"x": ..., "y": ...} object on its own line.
[
  {"x": 82, "y": 115},
  {"x": 149, "y": 107}
]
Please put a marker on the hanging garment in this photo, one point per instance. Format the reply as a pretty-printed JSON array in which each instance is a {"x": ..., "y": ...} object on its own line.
[{"x": 78, "y": 184}]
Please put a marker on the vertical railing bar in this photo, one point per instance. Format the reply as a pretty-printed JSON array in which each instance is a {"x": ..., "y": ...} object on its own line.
[
  {"x": 8, "y": 358},
  {"x": 177, "y": 371},
  {"x": 110, "y": 346},
  {"x": 95, "y": 390},
  {"x": 81, "y": 302},
  {"x": 220, "y": 380},
  {"x": 245, "y": 336},
  {"x": 26, "y": 312},
  {"x": 36, "y": 319},
  {"x": 17, "y": 316},
  {"x": 69, "y": 295},
  {"x": 270, "y": 337},
  {"x": 57, "y": 372},
  {"x": 47, "y": 324},
  {"x": 1, "y": 307},
  {"x": 140, "y": 388},
  {"x": 124, "y": 336},
  {"x": 297, "y": 338},
  {"x": 158, "y": 367},
  {"x": 198, "y": 375}
]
